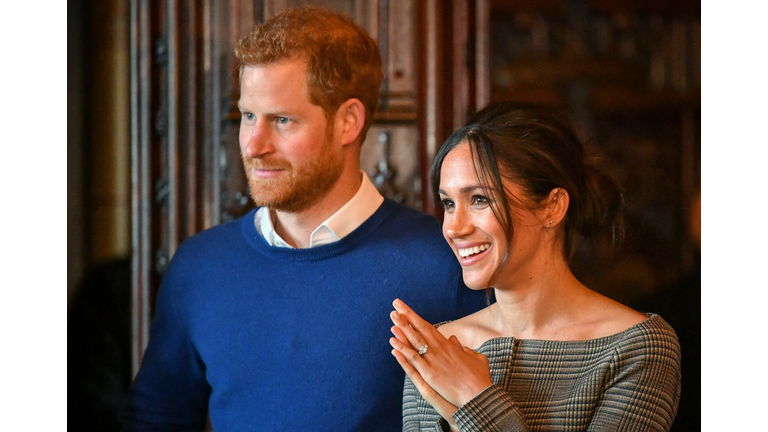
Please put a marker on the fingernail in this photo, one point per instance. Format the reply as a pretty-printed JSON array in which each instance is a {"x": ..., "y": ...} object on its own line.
[
  {"x": 394, "y": 315},
  {"x": 398, "y": 303}
]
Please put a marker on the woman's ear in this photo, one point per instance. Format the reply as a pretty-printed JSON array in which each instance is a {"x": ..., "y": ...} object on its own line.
[
  {"x": 350, "y": 118},
  {"x": 557, "y": 206}
]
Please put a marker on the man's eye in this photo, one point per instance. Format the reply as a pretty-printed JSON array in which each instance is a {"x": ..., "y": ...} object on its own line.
[
  {"x": 248, "y": 116},
  {"x": 283, "y": 120}
]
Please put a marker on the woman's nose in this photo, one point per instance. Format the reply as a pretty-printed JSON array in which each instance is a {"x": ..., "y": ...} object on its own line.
[{"x": 457, "y": 224}]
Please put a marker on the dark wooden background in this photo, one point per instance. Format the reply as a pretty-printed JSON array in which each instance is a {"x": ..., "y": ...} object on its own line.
[{"x": 627, "y": 73}]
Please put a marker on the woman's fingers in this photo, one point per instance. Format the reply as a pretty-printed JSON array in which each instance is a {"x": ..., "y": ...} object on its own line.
[
  {"x": 419, "y": 333},
  {"x": 412, "y": 317},
  {"x": 399, "y": 334},
  {"x": 412, "y": 373},
  {"x": 411, "y": 355},
  {"x": 454, "y": 340},
  {"x": 415, "y": 338},
  {"x": 442, "y": 406}
]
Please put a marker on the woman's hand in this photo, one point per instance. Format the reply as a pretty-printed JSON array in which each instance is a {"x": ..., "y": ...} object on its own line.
[
  {"x": 442, "y": 406},
  {"x": 447, "y": 375}
]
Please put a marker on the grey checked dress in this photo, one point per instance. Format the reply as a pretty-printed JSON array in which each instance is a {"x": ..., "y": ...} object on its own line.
[{"x": 629, "y": 381}]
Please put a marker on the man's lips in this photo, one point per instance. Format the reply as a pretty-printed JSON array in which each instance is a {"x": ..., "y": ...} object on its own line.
[
  {"x": 265, "y": 169},
  {"x": 266, "y": 172}
]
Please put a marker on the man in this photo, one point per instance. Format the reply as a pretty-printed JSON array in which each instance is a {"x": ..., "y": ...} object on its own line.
[{"x": 280, "y": 320}]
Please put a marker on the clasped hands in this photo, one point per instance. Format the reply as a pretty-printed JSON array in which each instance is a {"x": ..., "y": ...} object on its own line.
[{"x": 448, "y": 375}]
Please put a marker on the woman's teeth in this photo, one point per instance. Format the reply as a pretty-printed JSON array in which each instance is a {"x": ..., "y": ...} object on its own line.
[{"x": 473, "y": 250}]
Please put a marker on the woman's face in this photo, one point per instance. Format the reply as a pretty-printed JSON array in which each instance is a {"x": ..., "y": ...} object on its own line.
[{"x": 473, "y": 232}]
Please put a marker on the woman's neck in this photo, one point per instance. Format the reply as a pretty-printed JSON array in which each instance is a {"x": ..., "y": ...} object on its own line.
[{"x": 539, "y": 302}]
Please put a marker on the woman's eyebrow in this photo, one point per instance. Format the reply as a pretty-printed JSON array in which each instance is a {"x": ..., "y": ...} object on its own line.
[{"x": 463, "y": 190}]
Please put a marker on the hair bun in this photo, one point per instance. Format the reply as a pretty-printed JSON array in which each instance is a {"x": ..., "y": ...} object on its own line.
[{"x": 602, "y": 206}]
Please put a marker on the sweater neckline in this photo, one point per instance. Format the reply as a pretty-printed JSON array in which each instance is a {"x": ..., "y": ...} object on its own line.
[{"x": 317, "y": 253}]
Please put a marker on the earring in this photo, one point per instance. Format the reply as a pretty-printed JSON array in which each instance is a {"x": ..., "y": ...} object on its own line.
[{"x": 549, "y": 224}]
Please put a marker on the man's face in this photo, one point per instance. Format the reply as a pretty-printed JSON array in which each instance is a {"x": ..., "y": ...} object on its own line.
[{"x": 290, "y": 156}]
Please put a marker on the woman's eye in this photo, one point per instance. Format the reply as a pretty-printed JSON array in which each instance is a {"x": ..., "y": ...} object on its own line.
[
  {"x": 479, "y": 200},
  {"x": 446, "y": 203}
]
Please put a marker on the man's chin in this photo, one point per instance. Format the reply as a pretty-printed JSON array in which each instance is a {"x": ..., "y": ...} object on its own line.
[{"x": 283, "y": 204}]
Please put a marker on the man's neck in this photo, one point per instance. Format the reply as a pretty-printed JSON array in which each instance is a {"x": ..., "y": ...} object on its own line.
[{"x": 296, "y": 228}]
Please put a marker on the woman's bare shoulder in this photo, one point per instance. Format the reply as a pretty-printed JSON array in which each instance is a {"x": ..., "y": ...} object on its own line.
[
  {"x": 610, "y": 317},
  {"x": 471, "y": 330}
]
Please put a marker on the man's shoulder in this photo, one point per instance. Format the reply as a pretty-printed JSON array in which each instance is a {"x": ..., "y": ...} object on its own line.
[
  {"x": 415, "y": 236},
  {"x": 213, "y": 239},
  {"x": 408, "y": 218}
]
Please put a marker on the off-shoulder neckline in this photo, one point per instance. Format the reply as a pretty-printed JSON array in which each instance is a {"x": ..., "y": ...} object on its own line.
[{"x": 652, "y": 318}]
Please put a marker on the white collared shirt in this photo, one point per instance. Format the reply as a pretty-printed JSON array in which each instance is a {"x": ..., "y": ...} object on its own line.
[{"x": 350, "y": 216}]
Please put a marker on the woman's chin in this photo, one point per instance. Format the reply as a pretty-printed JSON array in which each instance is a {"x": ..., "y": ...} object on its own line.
[{"x": 476, "y": 285}]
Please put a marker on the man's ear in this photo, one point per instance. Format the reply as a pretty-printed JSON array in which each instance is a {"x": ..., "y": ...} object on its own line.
[
  {"x": 350, "y": 118},
  {"x": 557, "y": 206}
]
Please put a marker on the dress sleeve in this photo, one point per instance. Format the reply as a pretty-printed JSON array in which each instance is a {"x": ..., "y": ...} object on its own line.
[
  {"x": 170, "y": 391},
  {"x": 491, "y": 410},
  {"x": 418, "y": 415},
  {"x": 643, "y": 390}
]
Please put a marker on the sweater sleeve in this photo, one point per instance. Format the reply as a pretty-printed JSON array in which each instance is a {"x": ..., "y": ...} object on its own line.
[
  {"x": 643, "y": 391},
  {"x": 170, "y": 391}
]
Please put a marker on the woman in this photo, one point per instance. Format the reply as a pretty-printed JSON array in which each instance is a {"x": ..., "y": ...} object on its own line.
[{"x": 549, "y": 354}]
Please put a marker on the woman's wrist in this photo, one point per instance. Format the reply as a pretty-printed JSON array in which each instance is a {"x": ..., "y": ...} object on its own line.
[
  {"x": 448, "y": 425},
  {"x": 472, "y": 393}
]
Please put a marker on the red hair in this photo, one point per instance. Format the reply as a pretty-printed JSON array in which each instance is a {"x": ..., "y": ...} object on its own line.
[{"x": 343, "y": 61}]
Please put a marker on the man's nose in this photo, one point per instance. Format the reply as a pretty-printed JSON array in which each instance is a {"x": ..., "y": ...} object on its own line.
[{"x": 259, "y": 142}]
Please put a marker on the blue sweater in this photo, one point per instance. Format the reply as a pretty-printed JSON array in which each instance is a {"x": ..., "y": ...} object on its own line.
[{"x": 274, "y": 339}]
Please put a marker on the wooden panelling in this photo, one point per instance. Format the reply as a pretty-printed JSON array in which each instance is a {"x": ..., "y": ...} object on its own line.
[
  {"x": 630, "y": 82},
  {"x": 186, "y": 167}
]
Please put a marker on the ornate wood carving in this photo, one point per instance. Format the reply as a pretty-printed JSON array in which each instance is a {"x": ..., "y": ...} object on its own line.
[
  {"x": 183, "y": 87},
  {"x": 186, "y": 167}
]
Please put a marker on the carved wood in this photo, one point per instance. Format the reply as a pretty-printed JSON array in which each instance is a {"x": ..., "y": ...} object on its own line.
[
  {"x": 441, "y": 64},
  {"x": 186, "y": 169},
  {"x": 183, "y": 83}
]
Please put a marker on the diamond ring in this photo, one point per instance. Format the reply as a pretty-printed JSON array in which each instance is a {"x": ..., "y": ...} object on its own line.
[{"x": 423, "y": 349}]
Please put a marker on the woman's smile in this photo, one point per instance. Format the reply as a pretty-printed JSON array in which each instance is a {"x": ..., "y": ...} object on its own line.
[{"x": 469, "y": 255}]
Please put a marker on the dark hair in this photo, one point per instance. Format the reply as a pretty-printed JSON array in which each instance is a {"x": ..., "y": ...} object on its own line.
[
  {"x": 539, "y": 152},
  {"x": 343, "y": 61}
]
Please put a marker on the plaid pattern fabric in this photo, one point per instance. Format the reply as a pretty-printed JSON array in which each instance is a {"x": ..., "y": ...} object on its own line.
[{"x": 629, "y": 381}]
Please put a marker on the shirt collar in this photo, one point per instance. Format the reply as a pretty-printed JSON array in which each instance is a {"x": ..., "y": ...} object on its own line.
[{"x": 346, "y": 219}]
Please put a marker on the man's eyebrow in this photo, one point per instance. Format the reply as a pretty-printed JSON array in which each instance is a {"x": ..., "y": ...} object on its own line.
[{"x": 272, "y": 111}]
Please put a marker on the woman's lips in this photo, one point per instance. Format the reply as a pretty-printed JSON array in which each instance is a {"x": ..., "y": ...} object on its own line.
[{"x": 474, "y": 257}]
